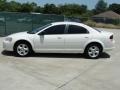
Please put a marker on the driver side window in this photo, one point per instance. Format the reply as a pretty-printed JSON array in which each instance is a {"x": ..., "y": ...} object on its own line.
[{"x": 58, "y": 29}]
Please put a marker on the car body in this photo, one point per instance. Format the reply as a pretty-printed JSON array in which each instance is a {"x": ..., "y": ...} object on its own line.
[{"x": 61, "y": 37}]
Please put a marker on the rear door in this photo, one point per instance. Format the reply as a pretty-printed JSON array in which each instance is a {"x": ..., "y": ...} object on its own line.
[{"x": 75, "y": 38}]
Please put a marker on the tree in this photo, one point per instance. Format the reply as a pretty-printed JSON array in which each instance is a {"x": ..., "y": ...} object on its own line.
[
  {"x": 100, "y": 7},
  {"x": 13, "y": 6},
  {"x": 3, "y": 5},
  {"x": 38, "y": 9},
  {"x": 73, "y": 9},
  {"x": 50, "y": 9},
  {"x": 83, "y": 8},
  {"x": 27, "y": 7},
  {"x": 115, "y": 7}
]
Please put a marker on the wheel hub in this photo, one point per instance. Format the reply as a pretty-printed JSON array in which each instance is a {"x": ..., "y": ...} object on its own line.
[
  {"x": 22, "y": 49},
  {"x": 93, "y": 51}
]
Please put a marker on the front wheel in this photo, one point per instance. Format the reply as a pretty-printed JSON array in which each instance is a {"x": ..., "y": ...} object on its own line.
[
  {"x": 22, "y": 49},
  {"x": 93, "y": 51}
]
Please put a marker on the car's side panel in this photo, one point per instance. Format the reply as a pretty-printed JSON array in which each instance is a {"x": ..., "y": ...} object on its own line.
[
  {"x": 18, "y": 37},
  {"x": 75, "y": 42},
  {"x": 93, "y": 41},
  {"x": 49, "y": 43}
]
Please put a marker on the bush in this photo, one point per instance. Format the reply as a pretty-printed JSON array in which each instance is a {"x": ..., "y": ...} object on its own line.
[
  {"x": 90, "y": 23},
  {"x": 101, "y": 25}
]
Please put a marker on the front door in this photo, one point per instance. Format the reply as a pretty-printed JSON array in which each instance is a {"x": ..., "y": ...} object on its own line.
[{"x": 51, "y": 39}]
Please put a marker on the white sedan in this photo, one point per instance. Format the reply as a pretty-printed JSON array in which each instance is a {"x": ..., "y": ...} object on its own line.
[{"x": 61, "y": 37}]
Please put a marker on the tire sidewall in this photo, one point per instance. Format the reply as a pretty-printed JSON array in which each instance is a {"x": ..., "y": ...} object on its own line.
[
  {"x": 87, "y": 49},
  {"x": 16, "y": 52}
]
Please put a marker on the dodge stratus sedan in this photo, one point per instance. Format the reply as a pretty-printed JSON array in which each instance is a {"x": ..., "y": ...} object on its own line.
[{"x": 61, "y": 37}]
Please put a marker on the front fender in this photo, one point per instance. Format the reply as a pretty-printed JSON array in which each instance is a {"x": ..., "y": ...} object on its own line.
[{"x": 25, "y": 38}]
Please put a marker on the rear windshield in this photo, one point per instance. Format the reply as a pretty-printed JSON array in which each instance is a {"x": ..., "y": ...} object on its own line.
[{"x": 98, "y": 30}]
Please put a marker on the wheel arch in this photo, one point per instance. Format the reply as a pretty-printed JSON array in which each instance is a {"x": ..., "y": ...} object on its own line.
[
  {"x": 95, "y": 42},
  {"x": 25, "y": 41}
]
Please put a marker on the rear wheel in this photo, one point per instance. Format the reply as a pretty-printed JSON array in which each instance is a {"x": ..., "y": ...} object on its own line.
[
  {"x": 22, "y": 49},
  {"x": 93, "y": 51}
]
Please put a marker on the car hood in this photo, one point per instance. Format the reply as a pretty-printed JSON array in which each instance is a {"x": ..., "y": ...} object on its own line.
[{"x": 21, "y": 34}]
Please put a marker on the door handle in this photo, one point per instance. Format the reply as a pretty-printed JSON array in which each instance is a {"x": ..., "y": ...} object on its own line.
[
  {"x": 86, "y": 37},
  {"x": 59, "y": 38}
]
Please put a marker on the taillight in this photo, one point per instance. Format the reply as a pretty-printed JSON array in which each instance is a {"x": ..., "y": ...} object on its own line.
[{"x": 111, "y": 37}]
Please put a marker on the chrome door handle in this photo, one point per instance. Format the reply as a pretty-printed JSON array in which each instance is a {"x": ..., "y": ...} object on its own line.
[
  {"x": 86, "y": 37},
  {"x": 59, "y": 38}
]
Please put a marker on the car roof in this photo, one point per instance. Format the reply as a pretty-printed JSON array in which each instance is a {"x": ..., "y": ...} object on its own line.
[
  {"x": 67, "y": 22},
  {"x": 90, "y": 29}
]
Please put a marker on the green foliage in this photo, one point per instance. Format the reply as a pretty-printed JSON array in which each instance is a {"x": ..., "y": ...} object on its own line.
[
  {"x": 115, "y": 7},
  {"x": 75, "y": 10},
  {"x": 13, "y": 6},
  {"x": 38, "y": 9},
  {"x": 3, "y": 5},
  {"x": 69, "y": 10},
  {"x": 50, "y": 9},
  {"x": 72, "y": 9},
  {"x": 100, "y": 7},
  {"x": 26, "y": 7}
]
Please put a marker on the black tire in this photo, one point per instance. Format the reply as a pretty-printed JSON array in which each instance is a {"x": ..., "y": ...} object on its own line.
[
  {"x": 93, "y": 54},
  {"x": 27, "y": 52}
]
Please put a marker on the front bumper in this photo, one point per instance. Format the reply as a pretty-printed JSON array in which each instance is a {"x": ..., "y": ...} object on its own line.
[{"x": 8, "y": 46}]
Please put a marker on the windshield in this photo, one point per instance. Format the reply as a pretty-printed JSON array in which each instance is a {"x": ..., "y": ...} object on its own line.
[{"x": 38, "y": 29}]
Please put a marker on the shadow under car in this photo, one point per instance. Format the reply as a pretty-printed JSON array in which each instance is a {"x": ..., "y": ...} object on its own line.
[{"x": 54, "y": 55}]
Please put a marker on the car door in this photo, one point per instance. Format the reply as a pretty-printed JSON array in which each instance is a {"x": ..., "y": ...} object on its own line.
[
  {"x": 75, "y": 38},
  {"x": 51, "y": 39}
]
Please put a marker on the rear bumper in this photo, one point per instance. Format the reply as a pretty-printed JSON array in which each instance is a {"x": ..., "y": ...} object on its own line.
[{"x": 109, "y": 47}]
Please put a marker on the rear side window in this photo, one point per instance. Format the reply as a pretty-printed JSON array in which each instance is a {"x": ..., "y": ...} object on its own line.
[
  {"x": 73, "y": 29},
  {"x": 58, "y": 29}
]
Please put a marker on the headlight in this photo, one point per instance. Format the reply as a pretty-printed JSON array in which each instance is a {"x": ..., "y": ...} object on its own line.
[{"x": 8, "y": 39}]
